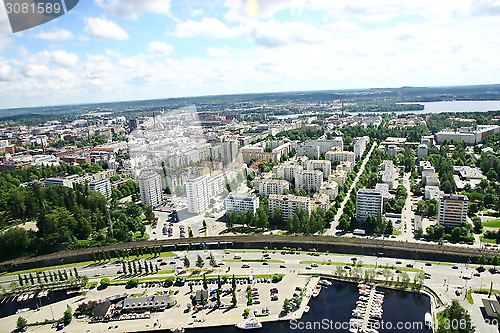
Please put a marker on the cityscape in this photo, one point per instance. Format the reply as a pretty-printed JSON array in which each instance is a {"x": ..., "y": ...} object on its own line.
[{"x": 175, "y": 190}]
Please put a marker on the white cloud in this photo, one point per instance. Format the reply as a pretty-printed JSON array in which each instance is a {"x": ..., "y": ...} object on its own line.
[
  {"x": 100, "y": 28},
  {"x": 218, "y": 53},
  {"x": 160, "y": 48},
  {"x": 56, "y": 35},
  {"x": 130, "y": 9},
  {"x": 36, "y": 71},
  {"x": 6, "y": 71},
  {"x": 208, "y": 27},
  {"x": 60, "y": 58}
]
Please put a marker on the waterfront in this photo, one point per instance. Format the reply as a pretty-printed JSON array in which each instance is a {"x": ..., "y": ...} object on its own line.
[
  {"x": 455, "y": 106},
  {"x": 336, "y": 303}
]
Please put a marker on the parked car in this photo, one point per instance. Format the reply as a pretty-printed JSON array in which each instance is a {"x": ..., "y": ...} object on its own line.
[{"x": 245, "y": 266}]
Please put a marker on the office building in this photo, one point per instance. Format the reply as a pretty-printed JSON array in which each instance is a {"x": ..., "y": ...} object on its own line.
[
  {"x": 452, "y": 210},
  {"x": 368, "y": 202},
  {"x": 103, "y": 186},
  {"x": 470, "y": 137},
  {"x": 241, "y": 203},
  {"x": 288, "y": 204},
  {"x": 150, "y": 188}
]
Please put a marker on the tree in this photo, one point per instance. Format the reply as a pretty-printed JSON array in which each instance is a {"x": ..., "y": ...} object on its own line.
[
  {"x": 199, "y": 262},
  {"x": 187, "y": 263},
  {"x": 482, "y": 260},
  {"x": 277, "y": 217},
  {"x": 455, "y": 319},
  {"x": 68, "y": 315},
  {"x": 190, "y": 232},
  {"x": 21, "y": 323},
  {"x": 233, "y": 298},
  {"x": 148, "y": 212},
  {"x": 105, "y": 282},
  {"x": 204, "y": 224},
  {"x": 205, "y": 284},
  {"x": 218, "y": 298},
  {"x": 212, "y": 261},
  {"x": 287, "y": 307},
  {"x": 495, "y": 261}
]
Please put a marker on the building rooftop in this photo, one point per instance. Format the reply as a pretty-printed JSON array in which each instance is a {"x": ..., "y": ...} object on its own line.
[{"x": 288, "y": 197}]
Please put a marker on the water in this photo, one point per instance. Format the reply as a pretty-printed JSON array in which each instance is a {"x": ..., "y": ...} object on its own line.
[
  {"x": 10, "y": 308},
  {"x": 334, "y": 305},
  {"x": 456, "y": 106}
]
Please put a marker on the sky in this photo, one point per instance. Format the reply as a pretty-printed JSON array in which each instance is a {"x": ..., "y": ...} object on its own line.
[{"x": 118, "y": 50}]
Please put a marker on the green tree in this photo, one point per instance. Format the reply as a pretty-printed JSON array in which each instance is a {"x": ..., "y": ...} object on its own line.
[
  {"x": 212, "y": 261},
  {"x": 455, "y": 319},
  {"x": 105, "y": 282},
  {"x": 21, "y": 323},
  {"x": 148, "y": 212},
  {"x": 287, "y": 307},
  {"x": 68, "y": 315},
  {"x": 234, "y": 300},
  {"x": 199, "y": 262},
  {"x": 494, "y": 261},
  {"x": 482, "y": 260},
  {"x": 187, "y": 263},
  {"x": 205, "y": 284}
]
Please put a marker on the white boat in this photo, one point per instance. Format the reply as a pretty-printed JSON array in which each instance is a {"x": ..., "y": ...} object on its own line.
[
  {"x": 325, "y": 282},
  {"x": 306, "y": 309},
  {"x": 25, "y": 297},
  {"x": 31, "y": 296},
  {"x": 249, "y": 324},
  {"x": 22, "y": 310},
  {"x": 20, "y": 298},
  {"x": 316, "y": 291},
  {"x": 428, "y": 320}
]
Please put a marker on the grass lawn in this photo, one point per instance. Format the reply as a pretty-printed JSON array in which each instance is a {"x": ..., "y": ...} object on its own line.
[
  {"x": 396, "y": 233},
  {"x": 489, "y": 240},
  {"x": 492, "y": 224}
]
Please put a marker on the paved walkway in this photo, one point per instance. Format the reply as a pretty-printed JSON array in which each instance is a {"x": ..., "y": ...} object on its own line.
[{"x": 333, "y": 227}]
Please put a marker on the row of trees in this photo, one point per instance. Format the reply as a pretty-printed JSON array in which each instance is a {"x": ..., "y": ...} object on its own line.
[
  {"x": 46, "y": 277},
  {"x": 136, "y": 267},
  {"x": 303, "y": 223}
]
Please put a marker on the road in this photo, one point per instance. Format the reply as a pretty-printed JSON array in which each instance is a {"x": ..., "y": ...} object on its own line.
[{"x": 333, "y": 227}]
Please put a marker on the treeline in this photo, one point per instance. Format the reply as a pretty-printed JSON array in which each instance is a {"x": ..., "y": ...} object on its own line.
[
  {"x": 300, "y": 135},
  {"x": 67, "y": 218},
  {"x": 302, "y": 222}
]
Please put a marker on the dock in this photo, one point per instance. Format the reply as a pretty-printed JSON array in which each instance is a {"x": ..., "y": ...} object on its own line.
[{"x": 368, "y": 310}]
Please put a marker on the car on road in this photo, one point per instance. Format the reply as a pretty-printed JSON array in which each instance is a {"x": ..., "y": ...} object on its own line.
[
  {"x": 265, "y": 263},
  {"x": 347, "y": 267},
  {"x": 454, "y": 267},
  {"x": 308, "y": 267},
  {"x": 314, "y": 264},
  {"x": 119, "y": 272},
  {"x": 245, "y": 266},
  {"x": 274, "y": 290},
  {"x": 393, "y": 236},
  {"x": 398, "y": 271},
  {"x": 97, "y": 274},
  {"x": 477, "y": 274},
  {"x": 398, "y": 262},
  {"x": 227, "y": 252},
  {"x": 428, "y": 264},
  {"x": 409, "y": 265},
  {"x": 282, "y": 266}
]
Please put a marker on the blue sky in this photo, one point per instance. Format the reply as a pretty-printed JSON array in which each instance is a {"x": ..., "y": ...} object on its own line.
[{"x": 112, "y": 50}]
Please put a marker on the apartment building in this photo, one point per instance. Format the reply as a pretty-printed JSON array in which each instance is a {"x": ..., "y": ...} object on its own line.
[
  {"x": 345, "y": 166},
  {"x": 327, "y": 145},
  {"x": 368, "y": 202},
  {"x": 342, "y": 156},
  {"x": 197, "y": 194},
  {"x": 273, "y": 186},
  {"x": 423, "y": 150},
  {"x": 228, "y": 151},
  {"x": 241, "y": 203},
  {"x": 287, "y": 171},
  {"x": 324, "y": 166},
  {"x": 388, "y": 173},
  {"x": 288, "y": 204},
  {"x": 330, "y": 188},
  {"x": 150, "y": 188},
  {"x": 311, "y": 151},
  {"x": 338, "y": 176},
  {"x": 103, "y": 186},
  {"x": 452, "y": 210},
  {"x": 310, "y": 180},
  {"x": 360, "y": 145}
]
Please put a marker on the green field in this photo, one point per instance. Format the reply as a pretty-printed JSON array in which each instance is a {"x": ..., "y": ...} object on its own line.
[
  {"x": 492, "y": 224},
  {"x": 489, "y": 240}
]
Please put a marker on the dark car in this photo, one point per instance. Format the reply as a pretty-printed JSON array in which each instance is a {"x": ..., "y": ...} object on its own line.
[
  {"x": 454, "y": 267},
  {"x": 409, "y": 265},
  {"x": 398, "y": 262},
  {"x": 398, "y": 271},
  {"x": 428, "y": 264}
]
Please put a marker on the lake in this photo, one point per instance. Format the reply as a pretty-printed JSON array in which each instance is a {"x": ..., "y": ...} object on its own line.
[{"x": 457, "y": 106}]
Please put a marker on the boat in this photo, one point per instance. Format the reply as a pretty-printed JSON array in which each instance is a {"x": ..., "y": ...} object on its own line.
[
  {"x": 31, "y": 296},
  {"x": 316, "y": 291},
  {"x": 324, "y": 283},
  {"x": 249, "y": 324},
  {"x": 22, "y": 310},
  {"x": 428, "y": 320},
  {"x": 306, "y": 309},
  {"x": 177, "y": 330},
  {"x": 25, "y": 297},
  {"x": 19, "y": 298}
]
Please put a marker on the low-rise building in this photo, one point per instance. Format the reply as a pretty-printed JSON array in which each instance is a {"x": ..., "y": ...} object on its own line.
[
  {"x": 423, "y": 150},
  {"x": 433, "y": 192}
]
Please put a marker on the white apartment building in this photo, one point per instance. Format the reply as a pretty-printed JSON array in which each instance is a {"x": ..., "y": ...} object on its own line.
[
  {"x": 331, "y": 189},
  {"x": 423, "y": 150},
  {"x": 273, "y": 186},
  {"x": 150, "y": 188},
  {"x": 199, "y": 190},
  {"x": 338, "y": 176},
  {"x": 452, "y": 210},
  {"x": 388, "y": 173},
  {"x": 345, "y": 166},
  {"x": 326, "y": 145},
  {"x": 197, "y": 194},
  {"x": 288, "y": 204},
  {"x": 342, "y": 156},
  {"x": 58, "y": 182},
  {"x": 308, "y": 150},
  {"x": 368, "y": 202},
  {"x": 287, "y": 171},
  {"x": 241, "y": 203},
  {"x": 324, "y": 166},
  {"x": 228, "y": 151},
  {"x": 360, "y": 145},
  {"x": 103, "y": 186},
  {"x": 310, "y": 180}
]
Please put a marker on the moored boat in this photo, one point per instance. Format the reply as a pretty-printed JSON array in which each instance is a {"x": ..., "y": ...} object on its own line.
[
  {"x": 428, "y": 320},
  {"x": 306, "y": 309},
  {"x": 316, "y": 291},
  {"x": 249, "y": 324}
]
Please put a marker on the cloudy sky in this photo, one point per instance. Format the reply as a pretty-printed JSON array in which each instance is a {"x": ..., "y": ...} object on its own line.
[{"x": 112, "y": 50}]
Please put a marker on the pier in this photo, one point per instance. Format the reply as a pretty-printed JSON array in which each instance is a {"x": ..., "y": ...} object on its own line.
[{"x": 368, "y": 309}]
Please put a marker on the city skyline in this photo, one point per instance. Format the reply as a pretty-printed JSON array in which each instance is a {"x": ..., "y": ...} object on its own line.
[{"x": 111, "y": 50}]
